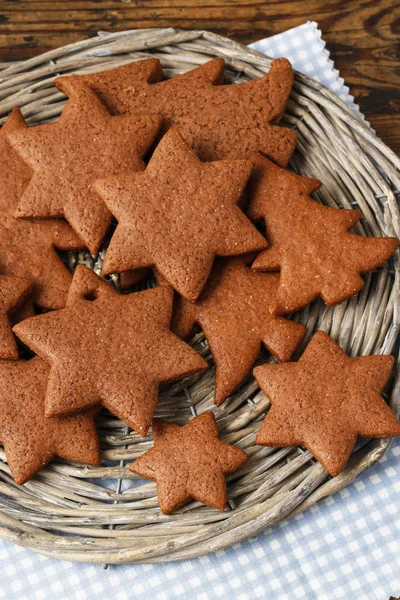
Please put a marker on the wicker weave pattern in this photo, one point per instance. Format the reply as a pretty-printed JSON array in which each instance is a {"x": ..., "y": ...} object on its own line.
[{"x": 110, "y": 521}]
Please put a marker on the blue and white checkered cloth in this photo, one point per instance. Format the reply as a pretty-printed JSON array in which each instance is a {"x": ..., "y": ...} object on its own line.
[{"x": 346, "y": 547}]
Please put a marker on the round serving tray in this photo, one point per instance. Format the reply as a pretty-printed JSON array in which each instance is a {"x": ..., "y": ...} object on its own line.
[{"x": 107, "y": 514}]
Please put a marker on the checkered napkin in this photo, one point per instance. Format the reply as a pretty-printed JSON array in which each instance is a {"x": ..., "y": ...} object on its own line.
[{"x": 347, "y": 547}]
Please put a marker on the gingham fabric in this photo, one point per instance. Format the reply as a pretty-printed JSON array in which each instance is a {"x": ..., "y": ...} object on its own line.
[
  {"x": 307, "y": 52},
  {"x": 347, "y": 547}
]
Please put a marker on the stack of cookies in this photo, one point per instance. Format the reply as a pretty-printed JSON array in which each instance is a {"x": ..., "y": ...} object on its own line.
[{"x": 186, "y": 178}]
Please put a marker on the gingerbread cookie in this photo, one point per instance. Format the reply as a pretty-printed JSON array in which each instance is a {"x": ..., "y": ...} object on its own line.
[
  {"x": 189, "y": 462},
  {"x": 28, "y": 247},
  {"x": 219, "y": 121},
  {"x": 67, "y": 156},
  {"x": 128, "y": 279},
  {"x": 30, "y": 439},
  {"x": 325, "y": 401},
  {"x": 108, "y": 348},
  {"x": 309, "y": 242},
  {"x": 234, "y": 311},
  {"x": 177, "y": 215},
  {"x": 14, "y": 292}
]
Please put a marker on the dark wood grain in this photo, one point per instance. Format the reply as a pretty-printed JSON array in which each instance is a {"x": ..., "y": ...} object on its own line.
[{"x": 363, "y": 35}]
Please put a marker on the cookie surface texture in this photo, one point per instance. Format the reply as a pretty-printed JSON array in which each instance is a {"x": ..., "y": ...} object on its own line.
[
  {"x": 189, "y": 462},
  {"x": 234, "y": 312},
  {"x": 31, "y": 439},
  {"x": 28, "y": 247},
  {"x": 14, "y": 292},
  {"x": 178, "y": 215},
  {"x": 67, "y": 156},
  {"x": 308, "y": 242},
  {"x": 108, "y": 348},
  {"x": 219, "y": 121},
  {"x": 325, "y": 401}
]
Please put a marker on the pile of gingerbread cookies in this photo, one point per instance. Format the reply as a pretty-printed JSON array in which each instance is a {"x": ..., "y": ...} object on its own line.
[{"x": 185, "y": 177}]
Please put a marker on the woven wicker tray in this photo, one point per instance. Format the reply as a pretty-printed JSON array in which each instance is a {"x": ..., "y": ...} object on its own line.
[{"x": 109, "y": 515}]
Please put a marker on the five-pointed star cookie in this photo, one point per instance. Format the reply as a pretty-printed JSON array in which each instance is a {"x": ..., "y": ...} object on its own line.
[
  {"x": 30, "y": 439},
  {"x": 309, "y": 242},
  {"x": 189, "y": 462},
  {"x": 178, "y": 215},
  {"x": 28, "y": 247},
  {"x": 14, "y": 291},
  {"x": 108, "y": 348},
  {"x": 219, "y": 121},
  {"x": 67, "y": 156},
  {"x": 234, "y": 311},
  {"x": 325, "y": 400}
]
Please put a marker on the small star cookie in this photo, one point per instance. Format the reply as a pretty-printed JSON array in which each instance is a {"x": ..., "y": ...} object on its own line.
[{"x": 189, "y": 462}]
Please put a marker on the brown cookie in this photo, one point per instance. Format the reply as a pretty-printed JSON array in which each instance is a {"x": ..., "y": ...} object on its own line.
[
  {"x": 189, "y": 462},
  {"x": 14, "y": 293},
  {"x": 234, "y": 311},
  {"x": 325, "y": 401},
  {"x": 128, "y": 279},
  {"x": 30, "y": 439},
  {"x": 28, "y": 247},
  {"x": 67, "y": 156},
  {"x": 109, "y": 348},
  {"x": 219, "y": 121},
  {"x": 309, "y": 242},
  {"x": 177, "y": 215}
]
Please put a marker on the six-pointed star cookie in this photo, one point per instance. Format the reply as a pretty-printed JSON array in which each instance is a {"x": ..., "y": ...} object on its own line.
[
  {"x": 189, "y": 462},
  {"x": 30, "y": 439},
  {"x": 177, "y": 215},
  {"x": 234, "y": 311},
  {"x": 219, "y": 121},
  {"x": 309, "y": 242},
  {"x": 325, "y": 400},
  {"x": 67, "y": 156},
  {"x": 14, "y": 291},
  {"x": 28, "y": 247},
  {"x": 107, "y": 348}
]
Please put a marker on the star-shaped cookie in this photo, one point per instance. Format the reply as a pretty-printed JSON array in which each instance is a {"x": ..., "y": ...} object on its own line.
[
  {"x": 189, "y": 462},
  {"x": 234, "y": 311},
  {"x": 309, "y": 242},
  {"x": 325, "y": 401},
  {"x": 30, "y": 439},
  {"x": 67, "y": 156},
  {"x": 178, "y": 215},
  {"x": 108, "y": 348},
  {"x": 28, "y": 247},
  {"x": 14, "y": 292},
  {"x": 219, "y": 121}
]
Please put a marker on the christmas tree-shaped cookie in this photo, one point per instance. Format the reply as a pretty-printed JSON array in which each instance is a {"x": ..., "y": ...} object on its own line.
[
  {"x": 218, "y": 121},
  {"x": 309, "y": 243}
]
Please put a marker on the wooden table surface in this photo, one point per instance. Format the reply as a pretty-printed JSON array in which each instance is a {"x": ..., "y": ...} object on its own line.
[{"x": 362, "y": 35}]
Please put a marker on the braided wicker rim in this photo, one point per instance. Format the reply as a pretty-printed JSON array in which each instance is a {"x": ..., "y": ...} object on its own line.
[{"x": 109, "y": 515}]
